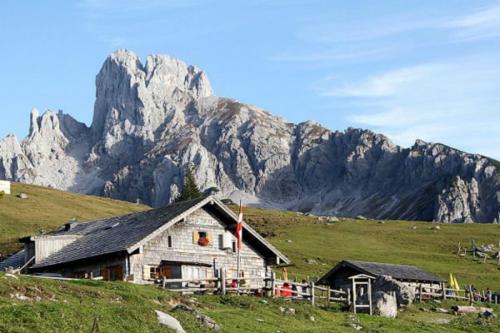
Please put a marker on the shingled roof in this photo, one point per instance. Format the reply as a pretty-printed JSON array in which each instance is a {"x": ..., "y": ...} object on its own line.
[
  {"x": 399, "y": 272},
  {"x": 126, "y": 233}
]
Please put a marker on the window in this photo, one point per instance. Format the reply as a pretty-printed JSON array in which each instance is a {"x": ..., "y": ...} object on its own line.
[
  {"x": 169, "y": 241},
  {"x": 202, "y": 238},
  {"x": 234, "y": 246},
  {"x": 154, "y": 272}
]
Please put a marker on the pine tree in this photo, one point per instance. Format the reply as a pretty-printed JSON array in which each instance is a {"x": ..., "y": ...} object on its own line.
[{"x": 190, "y": 189}]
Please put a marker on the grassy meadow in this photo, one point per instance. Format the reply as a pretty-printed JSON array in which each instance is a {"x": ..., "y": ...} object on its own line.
[
  {"x": 302, "y": 238},
  {"x": 74, "y": 306},
  {"x": 29, "y": 304},
  {"x": 46, "y": 209}
]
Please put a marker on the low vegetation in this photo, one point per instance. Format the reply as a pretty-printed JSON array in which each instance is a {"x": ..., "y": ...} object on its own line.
[
  {"x": 30, "y": 304},
  {"x": 314, "y": 245}
]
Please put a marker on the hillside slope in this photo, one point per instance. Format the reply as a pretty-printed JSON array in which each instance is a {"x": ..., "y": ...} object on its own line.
[
  {"x": 39, "y": 305},
  {"x": 299, "y": 237},
  {"x": 151, "y": 120},
  {"x": 46, "y": 209},
  {"x": 312, "y": 243}
]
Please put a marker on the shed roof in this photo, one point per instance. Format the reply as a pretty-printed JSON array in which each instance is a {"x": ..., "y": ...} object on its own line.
[
  {"x": 127, "y": 233},
  {"x": 15, "y": 261},
  {"x": 400, "y": 272}
]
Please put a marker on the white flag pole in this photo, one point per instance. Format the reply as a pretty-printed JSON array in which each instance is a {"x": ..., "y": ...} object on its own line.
[{"x": 238, "y": 245}]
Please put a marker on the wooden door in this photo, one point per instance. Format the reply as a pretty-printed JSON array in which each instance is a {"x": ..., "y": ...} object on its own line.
[
  {"x": 113, "y": 273},
  {"x": 166, "y": 271}
]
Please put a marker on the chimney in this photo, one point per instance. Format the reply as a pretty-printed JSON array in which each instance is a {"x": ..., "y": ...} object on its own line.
[{"x": 70, "y": 225}]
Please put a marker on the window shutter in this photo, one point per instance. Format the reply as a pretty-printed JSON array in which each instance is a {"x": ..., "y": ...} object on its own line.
[
  {"x": 210, "y": 237},
  {"x": 146, "y": 272},
  {"x": 196, "y": 236}
]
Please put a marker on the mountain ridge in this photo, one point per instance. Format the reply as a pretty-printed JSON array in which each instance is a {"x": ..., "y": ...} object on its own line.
[{"x": 153, "y": 119}]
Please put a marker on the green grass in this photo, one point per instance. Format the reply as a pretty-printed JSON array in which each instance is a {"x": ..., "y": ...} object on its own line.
[
  {"x": 46, "y": 209},
  {"x": 302, "y": 238},
  {"x": 73, "y": 306}
]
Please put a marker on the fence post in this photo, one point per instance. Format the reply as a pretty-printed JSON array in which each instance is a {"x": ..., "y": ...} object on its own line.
[
  {"x": 444, "y": 290},
  {"x": 420, "y": 293},
  {"x": 223, "y": 281},
  {"x": 273, "y": 284},
  {"x": 348, "y": 296},
  {"x": 163, "y": 282},
  {"x": 312, "y": 293},
  {"x": 218, "y": 286},
  {"x": 328, "y": 295},
  {"x": 470, "y": 295}
]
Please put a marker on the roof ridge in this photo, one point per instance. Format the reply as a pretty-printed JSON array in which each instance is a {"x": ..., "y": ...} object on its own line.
[{"x": 380, "y": 263}]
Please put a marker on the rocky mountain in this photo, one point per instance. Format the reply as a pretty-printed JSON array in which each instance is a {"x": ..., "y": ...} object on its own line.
[{"x": 152, "y": 120}]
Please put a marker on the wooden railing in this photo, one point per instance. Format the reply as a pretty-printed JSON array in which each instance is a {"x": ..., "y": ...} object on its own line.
[
  {"x": 270, "y": 286},
  {"x": 19, "y": 270},
  {"x": 423, "y": 293}
]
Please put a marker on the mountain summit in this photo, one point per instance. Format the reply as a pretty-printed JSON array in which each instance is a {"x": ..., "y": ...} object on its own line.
[{"x": 152, "y": 120}]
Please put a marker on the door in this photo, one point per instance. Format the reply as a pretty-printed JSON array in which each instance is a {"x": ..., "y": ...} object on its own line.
[{"x": 112, "y": 273}]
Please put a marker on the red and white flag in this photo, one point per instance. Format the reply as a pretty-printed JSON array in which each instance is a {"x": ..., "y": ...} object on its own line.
[{"x": 239, "y": 227}]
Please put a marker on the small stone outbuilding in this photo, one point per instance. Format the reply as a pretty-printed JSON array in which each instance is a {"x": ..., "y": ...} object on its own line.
[{"x": 338, "y": 276}]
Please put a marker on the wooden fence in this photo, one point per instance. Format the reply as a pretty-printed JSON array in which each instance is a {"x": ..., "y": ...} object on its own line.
[
  {"x": 308, "y": 291},
  {"x": 270, "y": 286},
  {"x": 424, "y": 293}
]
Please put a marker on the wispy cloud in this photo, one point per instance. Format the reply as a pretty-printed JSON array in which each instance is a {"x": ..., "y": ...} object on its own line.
[
  {"x": 486, "y": 17},
  {"x": 329, "y": 55},
  {"x": 441, "y": 102},
  {"x": 386, "y": 84},
  {"x": 483, "y": 24},
  {"x": 129, "y": 17},
  {"x": 374, "y": 39}
]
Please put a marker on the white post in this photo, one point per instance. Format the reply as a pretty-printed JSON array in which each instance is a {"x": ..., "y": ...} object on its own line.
[
  {"x": 370, "y": 296},
  {"x": 238, "y": 263},
  {"x": 311, "y": 285},
  {"x": 239, "y": 241},
  {"x": 223, "y": 281},
  {"x": 273, "y": 284}
]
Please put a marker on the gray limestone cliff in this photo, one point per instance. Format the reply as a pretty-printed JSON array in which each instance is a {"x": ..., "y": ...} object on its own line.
[{"x": 153, "y": 119}]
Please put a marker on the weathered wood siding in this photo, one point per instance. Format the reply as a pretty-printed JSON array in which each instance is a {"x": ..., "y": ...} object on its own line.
[
  {"x": 184, "y": 249},
  {"x": 47, "y": 245}
]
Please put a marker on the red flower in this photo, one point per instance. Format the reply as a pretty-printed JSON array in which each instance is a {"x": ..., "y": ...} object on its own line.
[{"x": 203, "y": 241}]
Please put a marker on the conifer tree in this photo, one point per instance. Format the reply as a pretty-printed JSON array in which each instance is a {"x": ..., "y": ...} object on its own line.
[{"x": 190, "y": 189}]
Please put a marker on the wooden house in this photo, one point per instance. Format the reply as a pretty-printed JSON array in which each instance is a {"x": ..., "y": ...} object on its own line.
[
  {"x": 189, "y": 240},
  {"x": 340, "y": 276}
]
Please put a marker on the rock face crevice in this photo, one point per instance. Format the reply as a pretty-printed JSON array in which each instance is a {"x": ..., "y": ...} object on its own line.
[{"x": 153, "y": 119}]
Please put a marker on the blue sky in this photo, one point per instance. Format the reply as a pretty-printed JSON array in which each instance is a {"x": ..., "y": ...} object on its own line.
[{"x": 408, "y": 69}]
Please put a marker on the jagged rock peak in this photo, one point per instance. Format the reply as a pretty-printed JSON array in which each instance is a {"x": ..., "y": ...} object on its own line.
[
  {"x": 164, "y": 70},
  {"x": 153, "y": 119},
  {"x": 143, "y": 96}
]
